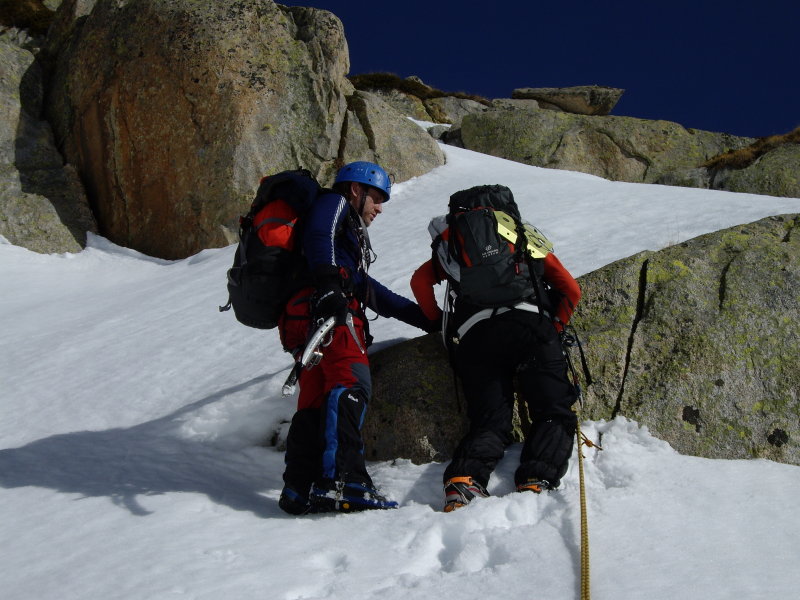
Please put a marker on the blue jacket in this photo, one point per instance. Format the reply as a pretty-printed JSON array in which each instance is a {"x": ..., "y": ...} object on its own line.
[{"x": 330, "y": 237}]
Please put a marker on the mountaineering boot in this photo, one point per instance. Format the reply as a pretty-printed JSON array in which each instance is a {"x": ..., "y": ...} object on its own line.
[
  {"x": 460, "y": 491},
  {"x": 537, "y": 486},
  {"x": 293, "y": 502},
  {"x": 347, "y": 496}
]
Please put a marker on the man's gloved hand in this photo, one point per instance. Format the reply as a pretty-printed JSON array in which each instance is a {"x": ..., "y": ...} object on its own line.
[
  {"x": 329, "y": 299},
  {"x": 330, "y": 303},
  {"x": 434, "y": 326}
]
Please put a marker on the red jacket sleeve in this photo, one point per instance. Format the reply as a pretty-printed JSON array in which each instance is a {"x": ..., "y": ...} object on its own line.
[
  {"x": 561, "y": 280},
  {"x": 422, "y": 282}
]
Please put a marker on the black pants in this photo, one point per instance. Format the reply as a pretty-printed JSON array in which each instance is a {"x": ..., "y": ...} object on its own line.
[{"x": 488, "y": 358}]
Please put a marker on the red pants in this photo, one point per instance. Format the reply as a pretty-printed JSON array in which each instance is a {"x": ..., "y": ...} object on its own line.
[
  {"x": 324, "y": 440},
  {"x": 344, "y": 360}
]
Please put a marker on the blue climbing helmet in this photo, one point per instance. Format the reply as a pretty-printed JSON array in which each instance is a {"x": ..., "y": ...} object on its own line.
[{"x": 368, "y": 173}]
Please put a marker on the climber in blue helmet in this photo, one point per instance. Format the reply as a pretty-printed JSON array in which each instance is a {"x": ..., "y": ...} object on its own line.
[
  {"x": 366, "y": 172},
  {"x": 325, "y": 468},
  {"x": 366, "y": 185}
]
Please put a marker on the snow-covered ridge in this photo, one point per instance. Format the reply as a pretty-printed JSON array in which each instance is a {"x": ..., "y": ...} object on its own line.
[{"x": 134, "y": 418}]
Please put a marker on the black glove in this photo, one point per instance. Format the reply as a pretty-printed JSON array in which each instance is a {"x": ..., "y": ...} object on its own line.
[
  {"x": 434, "y": 326},
  {"x": 329, "y": 299}
]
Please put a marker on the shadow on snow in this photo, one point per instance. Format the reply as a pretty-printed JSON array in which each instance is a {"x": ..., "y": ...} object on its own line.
[{"x": 145, "y": 460}]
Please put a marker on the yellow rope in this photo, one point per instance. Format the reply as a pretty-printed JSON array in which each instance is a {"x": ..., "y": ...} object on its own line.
[
  {"x": 585, "y": 579},
  {"x": 582, "y": 441}
]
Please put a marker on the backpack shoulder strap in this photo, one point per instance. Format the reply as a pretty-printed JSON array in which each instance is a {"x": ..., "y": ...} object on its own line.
[{"x": 441, "y": 253}]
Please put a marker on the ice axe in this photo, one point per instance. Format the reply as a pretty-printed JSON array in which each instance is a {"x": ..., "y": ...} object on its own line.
[{"x": 311, "y": 355}]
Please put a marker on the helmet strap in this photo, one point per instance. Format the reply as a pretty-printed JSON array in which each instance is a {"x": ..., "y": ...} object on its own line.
[
  {"x": 362, "y": 202},
  {"x": 360, "y": 197}
]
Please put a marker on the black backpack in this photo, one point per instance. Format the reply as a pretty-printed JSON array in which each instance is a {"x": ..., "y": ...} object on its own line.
[
  {"x": 268, "y": 266},
  {"x": 487, "y": 242}
]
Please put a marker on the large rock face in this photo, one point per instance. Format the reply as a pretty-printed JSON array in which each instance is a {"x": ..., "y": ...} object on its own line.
[
  {"x": 617, "y": 148},
  {"x": 172, "y": 110},
  {"x": 42, "y": 203},
  {"x": 699, "y": 342}
]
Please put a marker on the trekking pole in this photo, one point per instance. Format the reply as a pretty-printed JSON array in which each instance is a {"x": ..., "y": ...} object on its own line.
[{"x": 311, "y": 353}]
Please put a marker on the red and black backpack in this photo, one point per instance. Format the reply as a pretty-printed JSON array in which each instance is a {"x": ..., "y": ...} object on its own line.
[{"x": 268, "y": 266}]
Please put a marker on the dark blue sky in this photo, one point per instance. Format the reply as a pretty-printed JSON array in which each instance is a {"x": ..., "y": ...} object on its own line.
[{"x": 715, "y": 65}]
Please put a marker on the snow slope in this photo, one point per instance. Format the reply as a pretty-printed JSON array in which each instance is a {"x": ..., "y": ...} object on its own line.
[{"x": 136, "y": 419}]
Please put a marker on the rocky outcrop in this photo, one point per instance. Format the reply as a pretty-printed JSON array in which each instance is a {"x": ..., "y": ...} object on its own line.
[
  {"x": 685, "y": 341},
  {"x": 239, "y": 90},
  {"x": 404, "y": 103},
  {"x": 767, "y": 166},
  {"x": 43, "y": 206},
  {"x": 34, "y": 16},
  {"x": 450, "y": 109},
  {"x": 700, "y": 341},
  {"x": 581, "y": 100},
  {"x": 514, "y": 104},
  {"x": 776, "y": 173},
  {"x": 373, "y": 129},
  {"x": 413, "y": 98},
  {"x": 237, "y": 93},
  {"x": 621, "y": 148},
  {"x": 617, "y": 148},
  {"x": 417, "y": 409}
]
